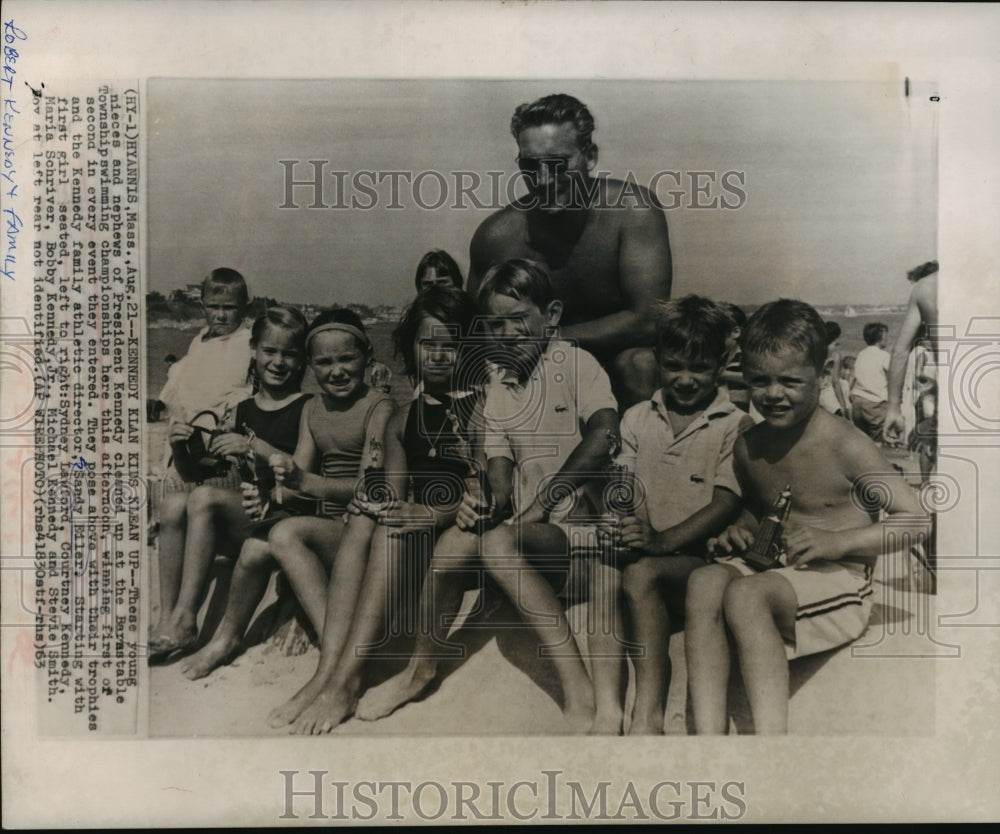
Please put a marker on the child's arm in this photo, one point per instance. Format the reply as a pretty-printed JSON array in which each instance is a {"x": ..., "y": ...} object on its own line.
[
  {"x": 739, "y": 535},
  {"x": 873, "y": 478},
  {"x": 590, "y": 455},
  {"x": 639, "y": 535},
  {"x": 290, "y": 469}
]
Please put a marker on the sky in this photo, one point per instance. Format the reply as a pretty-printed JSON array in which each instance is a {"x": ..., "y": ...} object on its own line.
[{"x": 833, "y": 185}]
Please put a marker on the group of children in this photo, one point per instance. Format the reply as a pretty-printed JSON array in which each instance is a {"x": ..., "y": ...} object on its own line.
[{"x": 507, "y": 467}]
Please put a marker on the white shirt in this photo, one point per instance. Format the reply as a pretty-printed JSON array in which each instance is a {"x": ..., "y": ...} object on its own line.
[
  {"x": 539, "y": 423},
  {"x": 871, "y": 375}
]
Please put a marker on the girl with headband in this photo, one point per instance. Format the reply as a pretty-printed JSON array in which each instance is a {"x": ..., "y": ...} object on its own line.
[{"x": 340, "y": 436}]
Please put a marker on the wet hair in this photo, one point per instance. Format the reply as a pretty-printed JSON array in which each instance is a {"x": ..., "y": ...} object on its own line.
[
  {"x": 556, "y": 109},
  {"x": 283, "y": 318},
  {"x": 735, "y": 313},
  {"x": 786, "y": 324},
  {"x": 922, "y": 271},
  {"x": 519, "y": 279},
  {"x": 450, "y": 306},
  {"x": 223, "y": 277},
  {"x": 693, "y": 326},
  {"x": 873, "y": 332},
  {"x": 442, "y": 263},
  {"x": 833, "y": 331},
  {"x": 341, "y": 315}
]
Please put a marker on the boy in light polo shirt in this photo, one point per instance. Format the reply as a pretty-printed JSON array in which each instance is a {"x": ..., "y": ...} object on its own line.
[
  {"x": 547, "y": 420},
  {"x": 547, "y": 416},
  {"x": 679, "y": 444}
]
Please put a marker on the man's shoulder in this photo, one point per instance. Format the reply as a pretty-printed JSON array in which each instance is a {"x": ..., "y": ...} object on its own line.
[
  {"x": 497, "y": 228},
  {"x": 627, "y": 193}
]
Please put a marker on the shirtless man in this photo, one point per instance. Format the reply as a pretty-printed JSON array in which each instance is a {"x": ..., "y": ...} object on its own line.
[
  {"x": 921, "y": 319},
  {"x": 604, "y": 242}
]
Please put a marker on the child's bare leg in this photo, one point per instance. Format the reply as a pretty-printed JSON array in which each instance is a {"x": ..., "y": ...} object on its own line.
[
  {"x": 326, "y": 702},
  {"x": 170, "y": 554},
  {"x": 303, "y": 546},
  {"x": 539, "y": 607},
  {"x": 706, "y": 647},
  {"x": 605, "y": 642},
  {"x": 250, "y": 577},
  {"x": 346, "y": 547},
  {"x": 648, "y": 583},
  {"x": 215, "y": 523},
  {"x": 441, "y": 595},
  {"x": 760, "y": 610}
]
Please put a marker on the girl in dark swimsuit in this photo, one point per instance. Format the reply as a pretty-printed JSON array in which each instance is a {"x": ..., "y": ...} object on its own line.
[{"x": 432, "y": 453}]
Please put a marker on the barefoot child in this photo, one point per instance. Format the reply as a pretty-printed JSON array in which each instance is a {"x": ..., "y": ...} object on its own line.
[
  {"x": 339, "y": 438},
  {"x": 211, "y": 377},
  {"x": 680, "y": 447},
  {"x": 839, "y": 481},
  {"x": 266, "y": 423},
  {"x": 548, "y": 414},
  {"x": 218, "y": 521},
  {"x": 429, "y": 445}
]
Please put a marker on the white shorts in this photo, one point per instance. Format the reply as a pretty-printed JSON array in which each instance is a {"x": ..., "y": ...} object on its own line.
[{"x": 834, "y": 602}]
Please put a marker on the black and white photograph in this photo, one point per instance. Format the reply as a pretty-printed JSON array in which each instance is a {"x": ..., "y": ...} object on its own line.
[{"x": 619, "y": 199}]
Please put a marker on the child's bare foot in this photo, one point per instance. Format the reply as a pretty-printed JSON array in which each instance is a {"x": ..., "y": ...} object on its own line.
[
  {"x": 217, "y": 653},
  {"x": 578, "y": 717},
  {"x": 387, "y": 697},
  {"x": 290, "y": 710},
  {"x": 647, "y": 727},
  {"x": 607, "y": 723},
  {"x": 180, "y": 639},
  {"x": 327, "y": 710}
]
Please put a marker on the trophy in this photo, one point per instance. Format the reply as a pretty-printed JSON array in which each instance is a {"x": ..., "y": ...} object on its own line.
[
  {"x": 766, "y": 550},
  {"x": 375, "y": 485},
  {"x": 619, "y": 490}
]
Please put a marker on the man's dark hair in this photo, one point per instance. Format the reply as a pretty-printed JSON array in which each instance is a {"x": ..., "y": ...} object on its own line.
[
  {"x": 922, "y": 271},
  {"x": 833, "y": 331},
  {"x": 556, "y": 109}
]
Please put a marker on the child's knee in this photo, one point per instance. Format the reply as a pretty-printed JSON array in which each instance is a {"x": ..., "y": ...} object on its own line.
[
  {"x": 743, "y": 601},
  {"x": 499, "y": 548},
  {"x": 204, "y": 499},
  {"x": 255, "y": 553},
  {"x": 282, "y": 538},
  {"x": 639, "y": 577},
  {"x": 173, "y": 509},
  {"x": 705, "y": 589}
]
